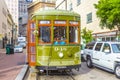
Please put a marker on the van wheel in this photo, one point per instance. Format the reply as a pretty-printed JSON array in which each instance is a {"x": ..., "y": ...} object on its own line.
[
  {"x": 89, "y": 62},
  {"x": 117, "y": 71}
]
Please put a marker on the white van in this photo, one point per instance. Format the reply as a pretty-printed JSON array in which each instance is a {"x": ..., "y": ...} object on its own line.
[{"x": 105, "y": 55}]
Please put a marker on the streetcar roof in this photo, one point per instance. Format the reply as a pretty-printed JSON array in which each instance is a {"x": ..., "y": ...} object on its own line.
[{"x": 55, "y": 12}]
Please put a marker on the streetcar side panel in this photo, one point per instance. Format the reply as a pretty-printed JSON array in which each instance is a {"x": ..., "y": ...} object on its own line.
[{"x": 58, "y": 55}]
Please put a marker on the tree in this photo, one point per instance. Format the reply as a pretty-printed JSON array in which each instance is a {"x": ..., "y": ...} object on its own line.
[
  {"x": 108, "y": 11},
  {"x": 86, "y": 35}
]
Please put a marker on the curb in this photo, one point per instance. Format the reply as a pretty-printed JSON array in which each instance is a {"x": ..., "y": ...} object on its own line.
[
  {"x": 7, "y": 69},
  {"x": 22, "y": 73}
]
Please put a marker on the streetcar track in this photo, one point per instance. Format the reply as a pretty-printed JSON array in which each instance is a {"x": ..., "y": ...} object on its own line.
[
  {"x": 65, "y": 75},
  {"x": 37, "y": 76},
  {"x": 70, "y": 75},
  {"x": 81, "y": 75},
  {"x": 52, "y": 75}
]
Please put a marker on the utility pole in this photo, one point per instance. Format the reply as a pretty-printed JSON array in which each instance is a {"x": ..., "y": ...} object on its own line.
[
  {"x": 62, "y": 3},
  {"x": 12, "y": 36},
  {"x": 66, "y": 4}
]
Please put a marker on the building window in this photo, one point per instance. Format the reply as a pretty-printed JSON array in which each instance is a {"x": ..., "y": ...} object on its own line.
[
  {"x": 29, "y": 0},
  {"x": 43, "y": 0},
  {"x": 4, "y": 26},
  {"x": 70, "y": 6},
  {"x": 89, "y": 17},
  {"x": 46, "y": 1},
  {"x": 113, "y": 38},
  {"x": 107, "y": 38},
  {"x": 78, "y": 2},
  {"x": 4, "y": 12},
  {"x": 103, "y": 39}
]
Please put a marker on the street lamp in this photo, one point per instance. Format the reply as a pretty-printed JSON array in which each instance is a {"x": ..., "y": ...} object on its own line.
[
  {"x": 12, "y": 36},
  {"x": 9, "y": 38}
]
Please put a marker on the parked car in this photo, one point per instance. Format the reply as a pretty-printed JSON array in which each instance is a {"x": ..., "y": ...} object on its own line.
[
  {"x": 23, "y": 44},
  {"x": 18, "y": 48},
  {"x": 105, "y": 55}
]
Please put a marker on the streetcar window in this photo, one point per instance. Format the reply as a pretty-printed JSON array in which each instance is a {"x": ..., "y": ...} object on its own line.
[
  {"x": 44, "y": 34},
  {"x": 32, "y": 36},
  {"x": 59, "y": 33},
  {"x": 73, "y": 34},
  {"x": 32, "y": 26}
]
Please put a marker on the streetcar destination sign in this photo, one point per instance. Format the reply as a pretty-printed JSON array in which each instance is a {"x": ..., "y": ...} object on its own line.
[{"x": 60, "y": 22}]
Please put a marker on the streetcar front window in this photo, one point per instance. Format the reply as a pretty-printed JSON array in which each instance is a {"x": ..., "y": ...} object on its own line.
[
  {"x": 59, "y": 33},
  {"x": 73, "y": 34},
  {"x": 44, "y": 34}
]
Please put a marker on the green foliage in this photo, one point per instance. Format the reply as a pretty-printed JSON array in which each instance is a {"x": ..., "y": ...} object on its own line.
[
  {"x": 108, "y": 11},
  {"x": 87, "y": 35}
]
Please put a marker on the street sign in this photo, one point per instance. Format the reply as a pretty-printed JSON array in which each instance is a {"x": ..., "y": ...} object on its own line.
[{"x": 1, "y": 35}]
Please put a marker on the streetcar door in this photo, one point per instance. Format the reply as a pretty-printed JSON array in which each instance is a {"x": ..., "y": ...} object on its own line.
[{"x": 31, "y": 47}]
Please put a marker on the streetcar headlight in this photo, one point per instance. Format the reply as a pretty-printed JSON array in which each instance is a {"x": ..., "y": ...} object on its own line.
[{"x": 60, "y": 54}]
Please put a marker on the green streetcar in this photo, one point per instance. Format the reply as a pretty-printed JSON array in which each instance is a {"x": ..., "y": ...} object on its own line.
[{"x": 54, "y": 40}]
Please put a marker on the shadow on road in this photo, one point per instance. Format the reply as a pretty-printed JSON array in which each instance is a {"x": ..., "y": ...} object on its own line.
[{"x": 83, "y": 69}]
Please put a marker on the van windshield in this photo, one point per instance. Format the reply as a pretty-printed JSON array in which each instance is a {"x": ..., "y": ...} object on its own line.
[{"x": 116, "y": 48}]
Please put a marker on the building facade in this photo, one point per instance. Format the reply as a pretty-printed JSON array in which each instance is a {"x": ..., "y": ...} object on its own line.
[
  {"x": 40, "y": 5},
  {"x": 13, "y": 8},
  {"x": 89, "y": 19},
  {"x": 23, "y": 20},
  {"x": 28, "y": 7},
  {"x": 6, "y": 25},
  {"x": 23, "y": 16},
  {"x": 23, "y": 5}
]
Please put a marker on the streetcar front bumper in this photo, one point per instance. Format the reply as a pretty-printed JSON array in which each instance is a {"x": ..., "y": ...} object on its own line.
[{"x": 58, "y": 67}]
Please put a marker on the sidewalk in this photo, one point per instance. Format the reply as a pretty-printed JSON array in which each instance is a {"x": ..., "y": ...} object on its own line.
[{"x": 10, "y": 65}]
